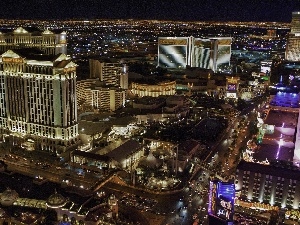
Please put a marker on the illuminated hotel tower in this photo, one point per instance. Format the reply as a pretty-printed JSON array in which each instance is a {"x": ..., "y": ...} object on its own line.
[
  {"x": 293, "y": 41},
  {"x": 114, "y": 74},
  {"x": 210, "y": 53},
  {"x": 38, "y": 99},
  {"x": 47, "y": 41},
  {"x": 174, "y": 52}
]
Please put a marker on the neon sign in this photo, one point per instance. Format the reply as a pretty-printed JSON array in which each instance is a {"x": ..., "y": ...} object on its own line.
[
  {"x": 221, "y": 199},
  {"x": 212, "y": 198}
]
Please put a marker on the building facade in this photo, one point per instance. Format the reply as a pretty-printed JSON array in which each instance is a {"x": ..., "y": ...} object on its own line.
[
  {"x": 292, "y": 52},
  {"x": 153, "y": 90},
  {"x": 208, "y": 53},
  {"x": 38, "y": 99},
  {"x": 108, "y": 98},
  {"x": 212, "y": 53},
  {"x": 113, "y": 74},
  {"x": 84, "y": 94},
  {"x": 174, "y": 52},
  {"x": 202, "y": 53},
  {"x": 275, "y": 184},
  {"x": 47, "y": 41},
  {"x": 94, "y": 93}
]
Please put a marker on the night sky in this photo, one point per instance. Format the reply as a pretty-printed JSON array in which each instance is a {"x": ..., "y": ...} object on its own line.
[{"x": 185, "y": 10}]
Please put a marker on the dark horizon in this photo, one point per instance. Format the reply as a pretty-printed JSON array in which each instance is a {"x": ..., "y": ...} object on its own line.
[{"x": 175, "y": 10}]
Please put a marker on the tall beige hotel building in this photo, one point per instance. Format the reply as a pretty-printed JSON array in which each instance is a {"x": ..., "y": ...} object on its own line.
[
  {"x": 38, "y": 90},
  {"x": 293, "y": 40}
]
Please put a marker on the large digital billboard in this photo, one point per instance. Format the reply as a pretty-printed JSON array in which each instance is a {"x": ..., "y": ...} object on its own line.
[
  {"x": 231, "y": 95},
  {"x": 221, "y": 200},
  {"x": 231, "y": 87},
  {"x": 265, "y": 67},
  {"x": 225, "y": 200}
]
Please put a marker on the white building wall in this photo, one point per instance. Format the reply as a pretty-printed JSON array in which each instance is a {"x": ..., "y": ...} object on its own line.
[{"x": 296, "y": 158}]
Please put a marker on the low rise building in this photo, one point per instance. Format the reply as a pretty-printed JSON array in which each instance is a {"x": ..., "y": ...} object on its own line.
[
  {"x": 126, "y": 156},
  {"x": 93, "y": 93},
  {"x": 153, "y": 90}
]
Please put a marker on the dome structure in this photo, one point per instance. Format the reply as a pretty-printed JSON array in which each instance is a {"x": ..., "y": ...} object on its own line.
[
  {"x": 47, "y": 32},
  {"x": 8, "y": 197},
  {"x": 56, "y": 200},
  {"x": 20, "y": 30},
  {"x": 150, "y": 161}
]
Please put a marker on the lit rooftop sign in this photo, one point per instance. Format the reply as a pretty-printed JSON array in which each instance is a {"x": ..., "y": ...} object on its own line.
[{"x": 221, "y": 200}]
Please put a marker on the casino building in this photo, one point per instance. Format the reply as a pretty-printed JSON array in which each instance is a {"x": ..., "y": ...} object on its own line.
[
  {"x": 273, "y": 184},
  {"x": 209, "y": 53},
  {"x": 153, "y": 90},
  {"x": 106, "y": 88},
  {"x": 47, "y": 41},
  {"x": 293, "y": 41},
  {"x": 62, "y": 210},
  {"x": 113, "y": 74},
  {"x": 212, "y": 53},
  {"x": 174, "y": 52},
  {"x": 38, "y": 99},
  {"x": 268, "y": 177},
  {"x": 93, "y": 93}
]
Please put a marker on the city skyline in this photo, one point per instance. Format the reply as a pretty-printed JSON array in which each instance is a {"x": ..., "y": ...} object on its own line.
[
  {"x": 191, "y": 10},
  {"x": 165, "y": 122}
]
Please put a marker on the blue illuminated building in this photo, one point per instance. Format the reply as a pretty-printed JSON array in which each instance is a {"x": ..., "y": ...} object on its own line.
[{"x": 221, "y": 202}]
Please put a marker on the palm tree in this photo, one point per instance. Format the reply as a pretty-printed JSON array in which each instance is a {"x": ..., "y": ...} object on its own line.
[{"x": 73, "y": 221}]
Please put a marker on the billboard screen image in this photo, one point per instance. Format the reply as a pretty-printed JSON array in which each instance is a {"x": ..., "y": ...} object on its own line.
[
  {"x": 231, "y": 87},
  {"x": 225, "y": 200},
  {"x": 221, "y": 199}
]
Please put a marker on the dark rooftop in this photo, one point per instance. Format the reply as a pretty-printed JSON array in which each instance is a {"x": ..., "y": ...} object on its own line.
[
  {"x": 121, "y": 152},
  {"x": 282, "y": 118},
  {"x": 273, "y": 152},
  {"x": 90, "y": 155},
  {"x": 276, "y": 169}
]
